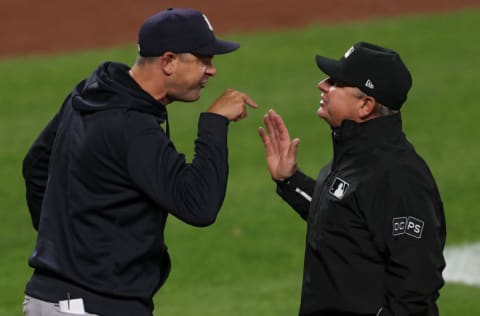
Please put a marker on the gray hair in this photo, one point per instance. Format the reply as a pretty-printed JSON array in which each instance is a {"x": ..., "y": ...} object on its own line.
[
  {"x": 141, "y": 60},
  {"x": 380, "y": 109},
  {"x": 145, "y": 60}
]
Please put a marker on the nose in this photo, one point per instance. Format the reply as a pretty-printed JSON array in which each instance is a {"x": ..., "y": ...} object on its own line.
[
  {"x": 324, "y": 85},
  {"x": 210, "y": 70}
]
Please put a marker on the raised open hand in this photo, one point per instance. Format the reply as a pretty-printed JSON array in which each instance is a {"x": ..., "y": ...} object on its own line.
[{"x": 280, "y": 151}]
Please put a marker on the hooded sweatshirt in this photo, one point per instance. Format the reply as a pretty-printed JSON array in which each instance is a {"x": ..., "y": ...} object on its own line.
[{"x": 101, "y": 180}]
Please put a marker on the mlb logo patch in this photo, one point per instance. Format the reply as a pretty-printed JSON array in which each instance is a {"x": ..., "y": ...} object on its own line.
[
  {"x": 338, "y": 188},
  {"x": 410, "y": 226}
]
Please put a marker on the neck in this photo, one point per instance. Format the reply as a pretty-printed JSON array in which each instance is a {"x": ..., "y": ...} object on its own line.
[{"x": 148, "y": 82}]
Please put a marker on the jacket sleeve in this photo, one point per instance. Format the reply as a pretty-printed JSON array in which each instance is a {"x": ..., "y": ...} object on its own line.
[
  {"x": 192, "y": 192},
  {"x": 35, "y": 169},
  {"x": 297, "y": 191},
  {"x": 412, "y": 233}
]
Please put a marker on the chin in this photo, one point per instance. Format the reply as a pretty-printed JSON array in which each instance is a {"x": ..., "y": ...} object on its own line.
[
  {"x": 195, "y": 98},
  {"x": 192, "y": 98},
  {"x": 324, "y": 117},
  {"x": 321, "y": 113}
]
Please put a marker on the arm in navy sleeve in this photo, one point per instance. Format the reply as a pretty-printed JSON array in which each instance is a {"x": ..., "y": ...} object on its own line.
[
  {"x": 192, "y": 192},
  {"x": 35, "y": 169}
]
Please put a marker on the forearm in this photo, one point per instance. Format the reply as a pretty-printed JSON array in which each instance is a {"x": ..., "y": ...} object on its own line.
[
  {"x": 192, "y": 192},
  {"x": 200, "y": 188},
  {"x": 297, "y": 191}
]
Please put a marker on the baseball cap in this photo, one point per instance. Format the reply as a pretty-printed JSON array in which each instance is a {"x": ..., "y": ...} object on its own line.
[
  {"x": 180, "y": 31},
  {"x": 377, "y": 71}
]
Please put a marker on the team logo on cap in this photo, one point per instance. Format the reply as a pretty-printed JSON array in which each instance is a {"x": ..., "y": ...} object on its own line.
[
  {"x": 338, "y": 188},
  {"x": 208, "y": 22}
]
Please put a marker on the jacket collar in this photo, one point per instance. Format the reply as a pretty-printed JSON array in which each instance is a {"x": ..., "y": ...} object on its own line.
[{"x": 352, "y": 137}]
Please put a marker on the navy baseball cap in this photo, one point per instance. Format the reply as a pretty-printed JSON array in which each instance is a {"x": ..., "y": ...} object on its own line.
[
  {"x": 180, "y": 31},
  {"x": 377, "y": 71}
]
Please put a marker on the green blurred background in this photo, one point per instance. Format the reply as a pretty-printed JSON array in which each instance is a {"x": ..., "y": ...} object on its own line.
[{"x": 250, "y": 261}]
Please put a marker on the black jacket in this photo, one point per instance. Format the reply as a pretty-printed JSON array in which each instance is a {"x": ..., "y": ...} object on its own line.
[
  {"x": 100, "y": 181},
  {"x": 376, "y": 226}
]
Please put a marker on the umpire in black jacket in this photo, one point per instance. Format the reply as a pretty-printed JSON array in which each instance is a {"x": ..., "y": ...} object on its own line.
[
  {"x": 104, "y": 175},
  {"x": 375, "y": 221}
]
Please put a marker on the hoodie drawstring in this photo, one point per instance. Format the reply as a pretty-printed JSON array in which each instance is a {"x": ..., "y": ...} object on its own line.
[{"x": 167, "y": 125}]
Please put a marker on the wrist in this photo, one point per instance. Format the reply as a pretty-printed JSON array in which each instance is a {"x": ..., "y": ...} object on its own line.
[{"x": 284, "y": 180}]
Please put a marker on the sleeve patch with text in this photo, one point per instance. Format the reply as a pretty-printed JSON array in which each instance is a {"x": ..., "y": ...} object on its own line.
[{"x": 407, "y": 225}]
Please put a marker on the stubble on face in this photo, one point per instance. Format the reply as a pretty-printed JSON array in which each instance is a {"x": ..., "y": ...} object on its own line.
[
  {"x": 337, "y": 103},
  {"x": 192, "y": 75}
]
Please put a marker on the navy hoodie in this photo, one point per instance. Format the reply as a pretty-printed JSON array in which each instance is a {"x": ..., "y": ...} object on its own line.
[{"x": 100, "y": 181}]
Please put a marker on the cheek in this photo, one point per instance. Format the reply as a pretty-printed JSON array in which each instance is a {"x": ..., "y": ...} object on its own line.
[
  {"x": 324, "y": 112},
  {"x": 194, "y": 77},
  {"x": 189, "y": 75},
  {"x": 333, "y": 113}
]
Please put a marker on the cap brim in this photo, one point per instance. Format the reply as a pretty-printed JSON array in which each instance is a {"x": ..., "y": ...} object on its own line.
[
  {"x": 331, "y": 67},
  {"x": 217, "y": 47}
]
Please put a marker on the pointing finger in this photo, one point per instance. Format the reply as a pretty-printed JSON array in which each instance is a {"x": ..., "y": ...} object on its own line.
[{"x": 249, "y": 101}]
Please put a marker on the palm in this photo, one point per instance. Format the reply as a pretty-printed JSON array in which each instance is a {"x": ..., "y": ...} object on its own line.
[{"x": 280, "y": 151}]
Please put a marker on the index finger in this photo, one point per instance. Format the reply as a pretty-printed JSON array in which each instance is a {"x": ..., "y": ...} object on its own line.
[{"x": 249, "y": 101}]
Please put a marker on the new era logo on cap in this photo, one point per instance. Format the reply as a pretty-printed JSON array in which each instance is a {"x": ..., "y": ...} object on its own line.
[{"x": 369, "y": 84}]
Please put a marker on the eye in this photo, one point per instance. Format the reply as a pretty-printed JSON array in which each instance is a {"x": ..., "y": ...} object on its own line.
[
  {"x": 337, "y": 83},
  {"x": 205, "y": 60}
]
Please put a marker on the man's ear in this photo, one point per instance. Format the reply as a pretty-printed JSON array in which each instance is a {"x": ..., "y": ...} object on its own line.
[
  {"x": 367, "y": 109},
  {"x": 168, "y": 62}
]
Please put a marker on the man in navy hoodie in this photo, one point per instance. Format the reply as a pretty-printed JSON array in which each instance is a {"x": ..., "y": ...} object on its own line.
[{"x": 103, "y": 175}]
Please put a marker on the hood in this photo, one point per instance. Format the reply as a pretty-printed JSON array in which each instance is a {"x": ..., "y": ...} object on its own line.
[{"x": 111, "y": 87}]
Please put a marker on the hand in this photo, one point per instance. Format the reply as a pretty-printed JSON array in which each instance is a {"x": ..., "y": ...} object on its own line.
[
  {"x": 280, "y": 151},
  {"x": 231, "y": 104}
]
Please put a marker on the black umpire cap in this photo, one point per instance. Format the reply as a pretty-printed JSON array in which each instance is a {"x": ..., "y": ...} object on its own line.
[{"x": 377, "y": 71}]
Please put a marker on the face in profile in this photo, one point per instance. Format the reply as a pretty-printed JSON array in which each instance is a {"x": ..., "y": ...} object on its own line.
[
  {"x": 190, "y": 76},
  {"x": 338, "y": 102}
]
